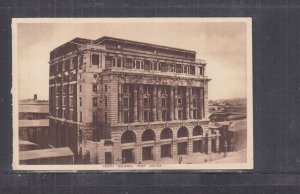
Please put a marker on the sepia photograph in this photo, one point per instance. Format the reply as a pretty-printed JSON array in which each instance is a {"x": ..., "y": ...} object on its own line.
[{"x": 132, "y": 94}]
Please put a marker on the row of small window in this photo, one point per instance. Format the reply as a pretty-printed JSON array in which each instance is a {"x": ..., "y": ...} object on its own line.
[
  {"x": 165, "y": 116},
  {"x": 65, "y": 114},
  {"x": 148, "y": 65},
  {"x": 147, "y": 89},
  {"x": 66, "y": 89},
  {"x": 95, "y": 101},
  {"x": 95, "y": 117},
  {"x": 94, "y": 88},
  {"x": 165, "y": 102},
  {"x": 59, "y": 67},
  {"x": 65, "y": 101}
]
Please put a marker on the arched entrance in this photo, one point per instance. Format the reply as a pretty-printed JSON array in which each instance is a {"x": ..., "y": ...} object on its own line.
[
  {"x": 148, "y": 138},
  {"x": 166, "y": 137},
  {"x": 128, "y": 141},
  {"x": 197, "y": 143},
  {"x": 182, "y": 145}
]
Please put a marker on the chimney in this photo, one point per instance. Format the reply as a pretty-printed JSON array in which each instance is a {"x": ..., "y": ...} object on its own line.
[{"x": 35, "y": 97}]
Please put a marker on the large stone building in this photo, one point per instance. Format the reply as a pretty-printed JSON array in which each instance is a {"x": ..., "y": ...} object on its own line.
[{"x": 120, "y": 101}]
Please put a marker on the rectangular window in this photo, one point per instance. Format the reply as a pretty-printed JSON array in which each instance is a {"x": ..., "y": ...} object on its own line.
[
  {"x": 80, "y": 116},
  {"x": 105, "y": 88},
  {"x": 185, "y": 69},
  {"x": 80, "y": 101},
  {"x": 105, "y": 101},
  {"x": 164, "y": 102},
  {"x": 63, "y": 114},
  {"x": 164, "y": 115},
  {"x": 146, "y": 116},
  {"x": 126, "y": 116},
  {"x": 71, "y": 101},
  {"x": 128, "y": 63},
  {"x": 125, "y": 89},
  {"x": 146, "y": 89},
  {"x": 95, "y": 59},
  {"x": 180, "y": 115},
  {"x": 108, "y": 61},
  {"x": 200, "y": 70},
  {"x": 80, "y": 88},
  {"x": 125, "y": 103},
  {"x": 164, "y": 89},
  {"x": 65, "y": 101},
  {"x": 57, "y": 101},
  {"x": 192, "y": 70},
  {"x": 95, "y": 115},
  {"x": 179, "y": 100},
  {"x": 146, "y": 102},
  {"x": 194, "y": 102},
  {"x": 138, "y": 64},
  {"x": 105, "y": 117},
  {"x": 95, "y": 102},
  {"x": 155, "y": 66},
  {"x": 194, "y": 91},
  {"x": 147, "y": 65},
  {"x": 70, "y": 89},
  {"x": 94, "y": 87},
  {"x": 71, "y": 63},
  {"x": 119, "y": 62},
  {"x": 63, "y": 65},
  {"x": 164, "y": 67},
  {"x": 71, "y": 115},
  {"x": 195, "y": 115}
]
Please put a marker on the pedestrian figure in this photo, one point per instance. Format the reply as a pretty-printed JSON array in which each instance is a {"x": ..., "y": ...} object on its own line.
[{"x": 180, "y": 159}]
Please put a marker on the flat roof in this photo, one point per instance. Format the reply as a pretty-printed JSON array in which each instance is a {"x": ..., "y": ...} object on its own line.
[
  {"x": 45, "y": 153},
  {"x": 34, "y": 123},
  {"x": 103, "y": 38},
  {"x": 34, "y": 108}
]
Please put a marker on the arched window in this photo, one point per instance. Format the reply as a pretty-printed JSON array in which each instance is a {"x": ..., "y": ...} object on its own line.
[
  {"x": 148, "y": 135},
  {"x": 166, "y": 133},
  {"x": 128, "y": 137},
  {"x": 182, "y": 132},
  {"x": 197, "y": 130}
]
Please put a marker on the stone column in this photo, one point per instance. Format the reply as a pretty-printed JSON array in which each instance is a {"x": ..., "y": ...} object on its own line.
[
  {"x": 135, "y": 104},
  {"x": 175, "y": 104},
  {"x": 140, "y": 103},
  {"x": 159, "y": 117},
  {"x": 205, "y": 96},
  {"x": 154, "y": 103},
  {"x": 171, "y": 103},
  {"x": 190, "y": 147},
  {"x": 120, "y": 107},
  {"x": 208, "y": 145},
  {"x": 217, "y": 142},
  {"x": 201, "y": 103},
  {"x": 157, "y": 152},
  {"x": 187, "y": 104},
  {"x": 191, "y": 102},
  {"x": 138, "y": 151}
]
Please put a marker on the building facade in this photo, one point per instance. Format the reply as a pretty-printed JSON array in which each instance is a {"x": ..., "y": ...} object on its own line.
[{"x": 119, "y": 101}]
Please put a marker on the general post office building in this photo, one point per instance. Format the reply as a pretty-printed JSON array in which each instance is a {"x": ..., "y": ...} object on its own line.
[{"x": 118, "y": 101}]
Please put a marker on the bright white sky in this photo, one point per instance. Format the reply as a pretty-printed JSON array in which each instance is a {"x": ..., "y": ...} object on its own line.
[{"x": 221, "y": 44}]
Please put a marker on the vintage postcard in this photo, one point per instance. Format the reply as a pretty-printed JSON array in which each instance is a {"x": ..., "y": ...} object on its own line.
[{"x": 132, "y": 94}]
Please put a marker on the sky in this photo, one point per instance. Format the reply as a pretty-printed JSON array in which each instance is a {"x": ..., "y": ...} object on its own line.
[{"x": 222, "y": 44}]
